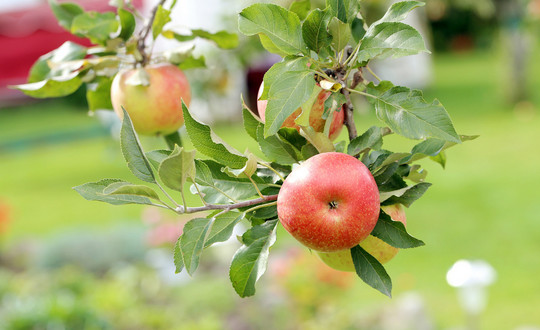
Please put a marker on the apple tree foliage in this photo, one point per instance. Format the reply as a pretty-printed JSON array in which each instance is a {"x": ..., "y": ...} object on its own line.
[{"x": 326, "y": 48}]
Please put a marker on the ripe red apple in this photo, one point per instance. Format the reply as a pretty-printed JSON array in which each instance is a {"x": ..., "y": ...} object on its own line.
[
  {"x": 315, "y": 116},
  {"x": 329, "y": 203},
  {"x": 155, "y": 108},
  {"x": 382, "y": 251}
]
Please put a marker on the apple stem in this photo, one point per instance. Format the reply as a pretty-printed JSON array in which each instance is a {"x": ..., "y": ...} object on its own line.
[{"x": 226, "y": 207}]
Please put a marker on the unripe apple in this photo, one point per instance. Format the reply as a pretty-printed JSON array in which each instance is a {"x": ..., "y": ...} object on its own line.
[
  {"x": 155, "y": 107},
  {"x": 329, "y": 203},
  {"x": 315, "y": 116},
  {"x": 382, "y": 251}
]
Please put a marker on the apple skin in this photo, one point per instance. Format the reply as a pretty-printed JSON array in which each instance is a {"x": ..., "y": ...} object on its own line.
[
  {"x": 155, "y": 109},
  {"x": 329, "y": 203},
  {"x": 382, "y": 251},
  {"x": 315, "y": 116}
]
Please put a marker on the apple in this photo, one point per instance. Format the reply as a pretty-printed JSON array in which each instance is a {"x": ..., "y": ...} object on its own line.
[
  {"x": 315, "y": 116},
  {"x": 329, "y": 203},
  {"x": 382, "y": 251},
  {"x": 154, "y": 108}
]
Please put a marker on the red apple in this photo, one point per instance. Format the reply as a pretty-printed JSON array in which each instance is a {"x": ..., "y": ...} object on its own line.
[
  {"x": 157, "y": 107},
  {"x": 329, "y": 203},
  {"x": 315, "y": 116},
  {"x": 382, "y": 251}
]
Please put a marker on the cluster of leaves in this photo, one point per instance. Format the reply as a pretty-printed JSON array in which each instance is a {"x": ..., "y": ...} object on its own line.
[
  {"x": 322, "y": 49},
  {"x": 119, "y": 41}
]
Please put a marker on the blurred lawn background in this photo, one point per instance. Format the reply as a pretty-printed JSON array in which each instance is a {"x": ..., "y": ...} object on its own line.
[{"x": 484, "y": 205}]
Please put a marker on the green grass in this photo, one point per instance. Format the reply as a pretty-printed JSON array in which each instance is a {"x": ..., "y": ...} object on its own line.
[{"x": 482, "y": 206}]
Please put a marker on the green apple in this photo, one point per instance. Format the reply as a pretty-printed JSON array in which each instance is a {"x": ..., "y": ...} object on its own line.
[
  {"x": 315, "y": 116},
  {"x": 382, "y": 251},
  {"x": 329, "y": 203},
  {"x": 152, "y": 97}
]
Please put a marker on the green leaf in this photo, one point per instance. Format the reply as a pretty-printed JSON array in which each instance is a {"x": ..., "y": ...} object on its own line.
[
  {"x": 292, "y": 137},
  {"x": 68, "y": 51},
  {"x": 399, "y": 11},
  {"x": 177, "y": 168},
  {"x": 178, "y": 257},
  {"x": 155, "y": 157},
  {"x": 133, "y": 153},
  {"x": 405, "y": 196},
  {"x": 54, "y": 87},
  {"x": 357, "y": 29},
  {"x": 315, "y": 30},
  {"x": 126, "y": 188},
  {"x": 250, "y": 261},
  {"x": 250, "y": 122},
  {"x": 192, "y": 241},
  {"x": 192, "y": 62},
  {"x": 371, "y": 271},
  {"x": 98, "y": 93},
  {"x": 393, "y": 39},
  {"x": 341, "y": 34},
  {"x": 394, "y": 233},
  {"x": 65, "y": 13},
  {"x": 267, "y": 44},
  {"x": 408, "y": 114},
  {"x": 223, "y": 39},
  {"x": 276, "y": 149},
  {"x": 344, "y": 10},
  {"x": 370, "y": 139},
  {"x": 163, "y": 16},
  {"x": 285, "y": 96},
  {"x": 223, "y": 227},
  {"x": 98, "y": 27},
  {"x": 173, "y": 139},
  {"x": 94, "y": 191},
  {"x": 301, "y": 8},
  {"x": 218, "y": 187},
  {"x": 207, "y": 143},
  {"x": 280, "y": 25},
  {"x": 289, "y": 63},
  {"x": 127, "y": 24}
]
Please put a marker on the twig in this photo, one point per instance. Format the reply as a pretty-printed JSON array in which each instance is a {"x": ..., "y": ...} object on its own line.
[
  {"x": 209, "y": 207},
  {"x": 373, "y": 73},
  {"x": 143, "y": 34}
]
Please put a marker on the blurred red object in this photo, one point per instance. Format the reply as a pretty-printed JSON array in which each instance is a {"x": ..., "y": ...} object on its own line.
[
  {"x": 4, "y": 216},
  {"x": 26, "y": 34}
]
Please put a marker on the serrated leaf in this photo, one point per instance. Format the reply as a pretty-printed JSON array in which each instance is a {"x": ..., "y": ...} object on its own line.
[
  {"x": 98, "y": 94},
  {"x": 315, "y": 30},
  {"x": 133, "y": 153},
  {"x": 163, "y": 16},
  {"x": 394, "y": 233},
  {"x": 218, "y": 187},
  {"x": 250, "y": 122},
  {"x": 173, "y": 139},
  {"x": 65, "y": 13},
  {"x": 68, "y": 51},
  {"x": 126, "y": 188},
  {"x": 177, "y": 168},
  {"x": 248, "y": 170},
  {"x": 155, "y": 157},
  {"x": 94, "y": 191},
  {"x": 358, "y": 31},
  {"x": 178, "y": 257},
  {"x": 292, "y": 137},
  {"x": 223, "y": 227},
  {"x": 222, "y": 39},
  {"x": 341, "y": 34},
  {"x": 301, "y": 8},
  {"x": 371, "y": 271},
  {"x": 405, "y": 196},
  {"x": 344, "y": 10},
  {"x": 408, "y": 114},
  {"x": 383, "y": 175},
  {"x": 289, "y": 63},
  {"x": 250, "y": 261},
  {"x": 192, "y": 62},
  {"x": 192, "y": 242},
  {"x": 207, "y": 143},
  {"x": 399, "y": 11},
  {"x": 391, "y": 39},
  {"x": 428, "y": 147},
  {"x": 280, "y": 25},
  {"x": 440, "y": 158},
  {"x": 370, "y": 139},
  {"x": 127, "y": 24},
  {"x": 98, "y": 27},
  {"x": 275, "y": 149},
  {"x": 54, "y": 87},
  {"x": 285, "y": 96}
]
